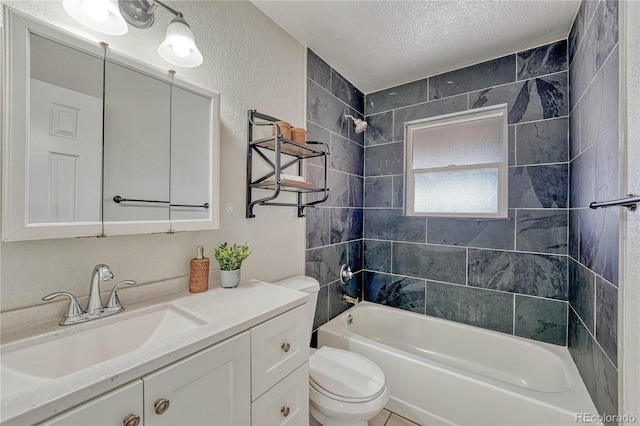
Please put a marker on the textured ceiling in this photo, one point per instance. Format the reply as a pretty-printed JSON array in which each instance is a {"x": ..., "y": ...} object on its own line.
[{"x": 380, "y": 44}]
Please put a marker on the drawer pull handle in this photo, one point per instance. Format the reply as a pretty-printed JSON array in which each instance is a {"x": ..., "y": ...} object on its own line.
[
  {"x": 285, "y": 347},
  {"x": 161, "y": 406},
  {"x": 285, "y": 411},
  {"x": 131, "y": 420}
]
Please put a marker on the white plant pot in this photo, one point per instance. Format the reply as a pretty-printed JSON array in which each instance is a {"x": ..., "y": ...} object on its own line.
[{"x": 230, "y": 279}]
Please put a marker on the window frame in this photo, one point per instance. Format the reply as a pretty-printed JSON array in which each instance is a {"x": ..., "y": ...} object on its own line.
[{"x": 449, "y": 119}]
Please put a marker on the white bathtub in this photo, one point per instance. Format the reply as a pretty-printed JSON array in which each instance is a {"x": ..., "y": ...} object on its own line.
[{"x": 442, "y": 372}]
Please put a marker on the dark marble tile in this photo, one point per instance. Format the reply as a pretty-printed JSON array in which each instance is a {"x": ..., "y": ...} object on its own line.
[
  {"x": 580, "y": 345},
  {"x": 542, "y": 231},
  {"x": 377, "y": 255},
  {"x": 605, "y": 394},
  {"x": 582, "y": 179},
  {"x": 538, "y": 186},
  {"x": 533, "y": 274},
  {"x": 542, "y": 142},
  {"x": 347, "y": 92},
  {"x": 479, "y": 76},
  {"x": 346, "y": 156},
  {"x": 511, "y": 136},
  {"x": 338, "y": 182},
  {"x": 585, "y": 13},
  {"x": 599, "y": 239},
  {"x": 346, "y": 225},
  {"x": 379, "y": 129},
  {"x": 606, "y": 30},
  {"x": 583, "y": 67},
  {"x": 384, "y": 159},
  {"x": 599, "y": 107},
  {"x": 320, "y": 134},
  {"x": 355, "y": 256},
  {"x": 398, "y": 191},
  {"x": 315, "y": 174},
  {"x": 378, "y": 191},
  {"x": 314, "y": 339},
  {"x": 356, "y": 191},
  {"x": 574, "y": 36},
  {"x": 607, "y": 318},
  {"x": 436, "y": 263},
  {"x": 473, "y": 306},
  {"x": 337, "y": 290},
  {"x": 396, "y": 97},
  {"x": 426, "y": 110},
  {"x": 607, "y": 183},
  {"x": 574, "y": 233},
  {"x": 536, "y": 99},
  {"x": 326, "y": 110},
  {"x": 582, "y": 292},
  {"x": 574, "y": 132},
  {"x": 542, "y": 60},
  {"x": 483, "y": 233},
  {"x": 394, "y": 291},
  {"x": 318, "y": 70},
  {"x": 317, "y": 225},
  {"x": 541, "y": 319},
  {"x": 322, "y": 308},
  {"x": 324, "y": 263},
  {"x": 390, "y": 224}
]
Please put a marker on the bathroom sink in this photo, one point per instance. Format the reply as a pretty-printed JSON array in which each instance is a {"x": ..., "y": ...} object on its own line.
[{"x": 46, "y": 361}]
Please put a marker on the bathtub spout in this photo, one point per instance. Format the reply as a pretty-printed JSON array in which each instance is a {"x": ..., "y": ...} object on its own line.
[{"x": 353, "y": 300}]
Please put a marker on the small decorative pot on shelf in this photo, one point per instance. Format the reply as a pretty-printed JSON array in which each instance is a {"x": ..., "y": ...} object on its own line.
[{"x": 230, "y": 259}]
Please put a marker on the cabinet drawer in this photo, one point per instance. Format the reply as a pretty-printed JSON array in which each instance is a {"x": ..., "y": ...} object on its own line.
[
  {"x": 278, "y": 347},
  {"x": 290, "y": 397}
]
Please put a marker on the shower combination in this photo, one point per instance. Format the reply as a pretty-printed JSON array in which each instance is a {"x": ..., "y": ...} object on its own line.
[{"x": 360, "y": 125}]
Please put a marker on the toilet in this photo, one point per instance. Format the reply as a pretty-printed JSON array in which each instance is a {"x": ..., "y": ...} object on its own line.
[{"x": 345, "y": 388}]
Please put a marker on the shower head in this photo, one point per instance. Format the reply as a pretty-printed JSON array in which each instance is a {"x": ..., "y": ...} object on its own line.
[{"x": 360, "y": 125}]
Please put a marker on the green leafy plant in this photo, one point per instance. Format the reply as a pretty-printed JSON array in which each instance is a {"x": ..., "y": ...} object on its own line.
[{"x": 229, "y": 257}]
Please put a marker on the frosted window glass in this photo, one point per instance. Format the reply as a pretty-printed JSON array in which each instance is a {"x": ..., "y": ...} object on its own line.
[
  {"x": 472, "y": 142},
  {"x": 475, "y": 192}
]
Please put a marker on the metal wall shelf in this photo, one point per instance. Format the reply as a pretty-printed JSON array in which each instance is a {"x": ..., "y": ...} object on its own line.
[{"x": 272, "y": 180}]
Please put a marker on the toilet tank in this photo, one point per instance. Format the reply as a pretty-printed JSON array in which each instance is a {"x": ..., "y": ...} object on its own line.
[{"x": 307, "y": 285}]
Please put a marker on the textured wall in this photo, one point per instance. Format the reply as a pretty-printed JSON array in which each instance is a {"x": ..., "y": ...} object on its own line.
[
  {"x": 508, "y": 275},
  {"x": 334, "y": 228},
  {"x": 244, "y": 55},
  {"x": 595, "y": 175}
]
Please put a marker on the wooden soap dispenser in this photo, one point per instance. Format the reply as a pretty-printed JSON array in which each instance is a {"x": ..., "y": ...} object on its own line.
[{"x": 199, "y": 272}]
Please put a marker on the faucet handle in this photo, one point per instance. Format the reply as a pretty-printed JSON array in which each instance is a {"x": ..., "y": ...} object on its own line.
[
  {"x": 113, "y": 303},
  {"x": 73, "y": 311}
]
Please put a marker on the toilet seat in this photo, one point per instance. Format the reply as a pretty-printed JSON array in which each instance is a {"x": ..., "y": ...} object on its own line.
[{"x": 345, "y": 376}]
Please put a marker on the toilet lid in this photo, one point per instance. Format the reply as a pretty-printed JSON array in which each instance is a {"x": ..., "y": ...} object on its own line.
[{"x": 345, "y": 374}]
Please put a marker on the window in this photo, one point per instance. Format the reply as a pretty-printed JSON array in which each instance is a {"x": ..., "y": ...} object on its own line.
[{"x": 456, "y": 164}]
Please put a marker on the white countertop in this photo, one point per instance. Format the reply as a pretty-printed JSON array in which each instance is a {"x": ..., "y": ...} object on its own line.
[{"x": 226, "y": 312}]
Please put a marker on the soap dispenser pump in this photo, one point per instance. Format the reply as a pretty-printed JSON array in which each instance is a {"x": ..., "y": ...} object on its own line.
[{"x": 199, "y": 272}]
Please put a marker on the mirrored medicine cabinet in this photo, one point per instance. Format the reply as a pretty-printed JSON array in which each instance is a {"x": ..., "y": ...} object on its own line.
[{"x": 96, "y": 143}]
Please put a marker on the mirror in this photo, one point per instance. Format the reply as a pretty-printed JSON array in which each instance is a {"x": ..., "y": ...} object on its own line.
[{"x": 97, "y": 143}]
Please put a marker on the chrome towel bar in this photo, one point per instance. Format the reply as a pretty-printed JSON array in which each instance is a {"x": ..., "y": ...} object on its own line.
[
  {"x": 118, "y": 199},
  {"x": 629, "y": 202}
]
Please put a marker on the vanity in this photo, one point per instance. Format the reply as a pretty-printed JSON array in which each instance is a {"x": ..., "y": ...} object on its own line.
[{"x": 222, "y": 357}]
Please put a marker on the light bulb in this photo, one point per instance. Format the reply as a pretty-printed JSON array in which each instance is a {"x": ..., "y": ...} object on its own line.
[
  {"x": 96, "y": 10},
  {"x": 181, "y": 49}
]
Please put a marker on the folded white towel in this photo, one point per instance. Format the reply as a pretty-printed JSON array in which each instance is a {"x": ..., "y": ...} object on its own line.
[{"x": 294, "y": 178}]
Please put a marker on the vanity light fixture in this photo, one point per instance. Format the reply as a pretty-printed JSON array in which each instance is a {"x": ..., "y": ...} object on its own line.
[
  {"x": 112, "y": 16},
  {"x": 101, "y": 15}
]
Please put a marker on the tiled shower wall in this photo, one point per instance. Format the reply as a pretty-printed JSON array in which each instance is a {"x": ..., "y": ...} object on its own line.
[
  {"x": 508, "y": 275},
  {"x": 334, "y": 228},
  {"x": 595, "y": 175}
]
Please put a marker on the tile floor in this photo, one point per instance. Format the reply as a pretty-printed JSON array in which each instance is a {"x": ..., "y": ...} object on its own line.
[{"x": 387, "y": 418}]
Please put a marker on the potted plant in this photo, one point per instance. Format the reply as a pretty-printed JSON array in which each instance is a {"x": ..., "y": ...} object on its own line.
[{"x": 230, "y": 259}]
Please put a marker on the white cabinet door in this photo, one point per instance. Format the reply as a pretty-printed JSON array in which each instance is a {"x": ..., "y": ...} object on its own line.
[
  {"x": 110, "y": 409},
  {"x": 278, "y": 347},
  {"x": 287, "y": 403},
  {"x": 212, "y": 387}
]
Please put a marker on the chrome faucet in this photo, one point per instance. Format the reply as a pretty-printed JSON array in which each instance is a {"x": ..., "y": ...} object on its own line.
[
  {"x": 95, "y": 308},
  {"x": 353, "y": 300},
  {"x": 100, "y": 273}
]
